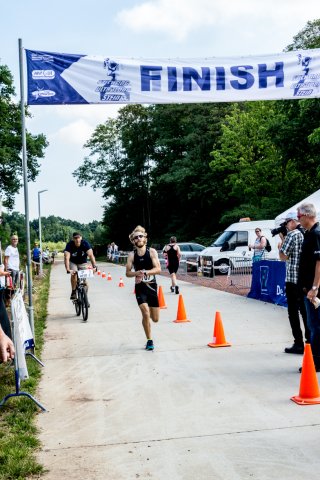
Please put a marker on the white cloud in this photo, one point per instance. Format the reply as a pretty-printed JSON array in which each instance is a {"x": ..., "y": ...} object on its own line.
[
  {"x": 179, "y": 18},
  {"x": 76, "y": 133}
]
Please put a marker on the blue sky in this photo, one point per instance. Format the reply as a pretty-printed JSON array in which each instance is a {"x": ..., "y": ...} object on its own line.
[{"x": 127, "y": 28}]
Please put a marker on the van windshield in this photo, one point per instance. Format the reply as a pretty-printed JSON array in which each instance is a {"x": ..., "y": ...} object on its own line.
[{"x": 223, "y": 238}]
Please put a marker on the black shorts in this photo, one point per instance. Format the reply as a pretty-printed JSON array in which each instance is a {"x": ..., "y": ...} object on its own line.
[
  {"x": 147, "y": 293},
  {"x": 173, "y": 268}
]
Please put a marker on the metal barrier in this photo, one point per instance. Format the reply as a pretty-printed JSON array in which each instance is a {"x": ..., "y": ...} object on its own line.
[{"x": 240, "y": 272}]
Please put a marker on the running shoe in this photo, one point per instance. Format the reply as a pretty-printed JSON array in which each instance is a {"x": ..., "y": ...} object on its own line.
[
  {"x": 177, "y": 289},
  {"x": 172, "y": 289},
  {"x": 149, "y": 345}
]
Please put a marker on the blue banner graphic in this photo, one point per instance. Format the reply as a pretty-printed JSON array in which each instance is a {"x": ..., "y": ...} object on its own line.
[
  {"x": 55, "y": 78},
  {"x": 268, "y": 282}
]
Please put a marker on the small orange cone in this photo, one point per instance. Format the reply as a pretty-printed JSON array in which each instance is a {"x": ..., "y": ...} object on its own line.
[
  {"x": 109, "y": 276},
  {"x": 218, "y": 334},
  {"x": 103, "y": 275},
  {"x": 181, "y": 313},
  {"x": 121, "y": 284},
  {"x": 98, "y": 272},
  {"x": 162, "y": 303},
  {"x": 309, "y": 393}
]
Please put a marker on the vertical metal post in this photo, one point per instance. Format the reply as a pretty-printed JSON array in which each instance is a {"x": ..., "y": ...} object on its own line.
[
  {"x": 40, "y": 235},
  {"x": 25, "y": 187}
]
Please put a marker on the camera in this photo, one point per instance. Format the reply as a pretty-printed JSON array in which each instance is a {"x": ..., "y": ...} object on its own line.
[{"x": 281, "y": 229}]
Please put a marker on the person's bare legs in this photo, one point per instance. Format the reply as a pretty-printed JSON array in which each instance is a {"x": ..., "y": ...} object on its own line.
[
  {"x": 147, "y": 314},
  {"x": 173, "y": 280}
]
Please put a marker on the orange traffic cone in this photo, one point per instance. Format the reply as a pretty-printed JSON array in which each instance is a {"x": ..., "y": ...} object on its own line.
[
  {"x": 103, "y": 275},
  {"x": 109, "y": 276},
  {"x": 98, "y": 272},
  {"x": 181, "y": 313},
  {"x": 162, "y": 303},
  {"x": 309, "y": 393},
  {"x": 218, "y": 334},
  {"x": 121, "y": 284}
]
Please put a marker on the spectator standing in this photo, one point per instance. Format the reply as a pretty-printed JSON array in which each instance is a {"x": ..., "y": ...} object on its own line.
[
  {"x": 4, "y": 319},
  {"x": 35, "y": 254},
  {"x": 309, "y": 274},
  {"x": 290, "y": 251},
  {"x": 258, "y": 246},
  {"x": 145, "y": 263},
  {"x": 172, "y": 254},
  {"x": 12, "y": 260}
]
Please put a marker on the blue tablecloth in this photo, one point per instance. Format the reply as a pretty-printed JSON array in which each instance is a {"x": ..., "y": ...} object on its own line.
[{"x": 268, "y": 282}]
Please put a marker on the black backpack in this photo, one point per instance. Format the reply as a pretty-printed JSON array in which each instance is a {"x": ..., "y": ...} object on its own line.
[{"x": 268, "y": 247}]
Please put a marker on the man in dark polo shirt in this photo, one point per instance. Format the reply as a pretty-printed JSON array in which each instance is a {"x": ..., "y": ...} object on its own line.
[
  {"x": 76, "y": 256},
  {"x": 309, "y": 274}
]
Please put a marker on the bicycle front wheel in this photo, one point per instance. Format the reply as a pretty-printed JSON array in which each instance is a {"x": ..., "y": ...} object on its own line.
[
  {"x": 77, "y": 304},
  {"x": 85, "y": 305}
]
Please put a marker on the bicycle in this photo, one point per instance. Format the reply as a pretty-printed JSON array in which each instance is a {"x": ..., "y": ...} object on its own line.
[{"x": 81, "y": 303}]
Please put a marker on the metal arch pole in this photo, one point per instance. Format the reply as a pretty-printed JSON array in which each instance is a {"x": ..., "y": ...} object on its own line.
[
  {"x": 40, "y": 236},
  {"x": 25, "y": 187}
]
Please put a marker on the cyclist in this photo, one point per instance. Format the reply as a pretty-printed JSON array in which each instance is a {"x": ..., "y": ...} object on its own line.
[{"x": 76, "y": 256}]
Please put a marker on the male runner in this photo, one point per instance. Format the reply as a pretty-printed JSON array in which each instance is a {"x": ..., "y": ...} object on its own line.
[{"x": 146, "y": 265}]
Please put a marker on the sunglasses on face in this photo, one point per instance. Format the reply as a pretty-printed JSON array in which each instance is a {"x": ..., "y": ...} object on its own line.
[
  {"x": 301, "y": 215},
  {"x": 137, "y": 237}
]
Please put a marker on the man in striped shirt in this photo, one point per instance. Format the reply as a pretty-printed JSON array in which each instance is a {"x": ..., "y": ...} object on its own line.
[{"x": 290, "y": 251}]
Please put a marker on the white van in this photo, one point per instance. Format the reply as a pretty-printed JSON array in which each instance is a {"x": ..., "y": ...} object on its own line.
[{"x": 233, "y": 243}]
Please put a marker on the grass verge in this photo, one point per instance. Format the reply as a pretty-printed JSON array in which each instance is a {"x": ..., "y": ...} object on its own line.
[{"x": 18, "y": 434}]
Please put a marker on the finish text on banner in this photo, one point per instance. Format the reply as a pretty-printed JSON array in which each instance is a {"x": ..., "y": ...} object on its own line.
[{"x": 56, "y": 78}]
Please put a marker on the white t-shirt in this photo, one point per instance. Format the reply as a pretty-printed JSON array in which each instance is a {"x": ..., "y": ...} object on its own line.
[
  {"x": 13, "y": 260},
  {"x": 2, "y": 277}
]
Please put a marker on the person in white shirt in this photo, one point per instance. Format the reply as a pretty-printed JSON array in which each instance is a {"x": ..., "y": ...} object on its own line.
[{"x": 12, "y": 260}]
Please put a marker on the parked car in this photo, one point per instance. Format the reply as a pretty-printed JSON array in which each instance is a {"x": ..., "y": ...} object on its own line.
[{"x": 190, "y": 252}]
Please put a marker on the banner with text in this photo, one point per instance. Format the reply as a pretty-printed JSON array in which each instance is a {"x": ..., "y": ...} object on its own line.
[{"x": 55, "y": 79}]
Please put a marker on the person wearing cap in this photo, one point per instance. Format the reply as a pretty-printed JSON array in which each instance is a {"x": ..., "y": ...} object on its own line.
[
  {"x": 12, "y": 259},
  {"x": 143, "y": 265},
  {"x": 289, "y": 251},
  {"x": 76, "y": 256},
  {"x": 36, "y": 252},
  {"x": 309, "y": 274}
]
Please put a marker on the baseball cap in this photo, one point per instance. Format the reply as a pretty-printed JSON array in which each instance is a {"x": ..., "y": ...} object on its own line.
[
  {"x": 76, "y": 234},
  {"x": 291, "y": 216}
]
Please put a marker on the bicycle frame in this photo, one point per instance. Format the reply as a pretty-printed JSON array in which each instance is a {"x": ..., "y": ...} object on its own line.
[{"x": 81, "y": 303}]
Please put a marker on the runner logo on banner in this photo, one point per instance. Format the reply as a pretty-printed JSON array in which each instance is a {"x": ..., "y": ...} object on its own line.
[{"x": 55, "y": 79}]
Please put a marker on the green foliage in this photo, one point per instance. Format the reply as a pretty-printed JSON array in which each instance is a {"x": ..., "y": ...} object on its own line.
[
  {"x": 10, "y": 143},
  {"x": 18, "y": 434}
]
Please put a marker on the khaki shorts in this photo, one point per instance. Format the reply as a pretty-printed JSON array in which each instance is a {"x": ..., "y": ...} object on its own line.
[{"x": 78, "y": 266}]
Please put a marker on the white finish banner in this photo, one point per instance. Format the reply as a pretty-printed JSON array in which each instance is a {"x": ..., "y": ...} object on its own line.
[{"x": 55, "y": 78}]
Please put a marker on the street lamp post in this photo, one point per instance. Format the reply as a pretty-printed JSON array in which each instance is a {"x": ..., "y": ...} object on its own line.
[{"x": 40, "y": 241}]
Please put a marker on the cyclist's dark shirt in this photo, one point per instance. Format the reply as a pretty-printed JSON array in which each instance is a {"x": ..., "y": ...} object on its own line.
[{"x": 78, "y": 255}]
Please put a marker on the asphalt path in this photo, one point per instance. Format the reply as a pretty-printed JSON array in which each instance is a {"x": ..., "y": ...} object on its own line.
[{"x": 184, "y": 411}]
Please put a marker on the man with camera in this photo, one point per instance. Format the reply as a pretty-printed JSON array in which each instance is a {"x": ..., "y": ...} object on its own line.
[{"x": 289, "y": 251}]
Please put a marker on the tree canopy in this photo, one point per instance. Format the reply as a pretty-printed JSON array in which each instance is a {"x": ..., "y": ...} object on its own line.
[{"x": 10, "y": 142}]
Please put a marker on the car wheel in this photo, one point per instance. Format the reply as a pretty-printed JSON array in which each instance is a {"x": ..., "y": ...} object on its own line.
[{"x": 223, "y": 265}]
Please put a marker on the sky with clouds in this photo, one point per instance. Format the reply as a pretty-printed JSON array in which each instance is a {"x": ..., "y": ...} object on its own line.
[{"x": 127, "y": 28}]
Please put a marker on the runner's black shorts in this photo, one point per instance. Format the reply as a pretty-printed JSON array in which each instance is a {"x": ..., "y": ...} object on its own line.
[
  {"x": 173, "y": 268},
  {"x": 147, "y": 293}
]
